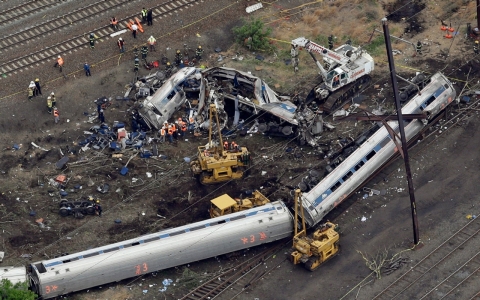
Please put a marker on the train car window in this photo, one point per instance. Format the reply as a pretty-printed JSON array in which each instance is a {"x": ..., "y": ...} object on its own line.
[
  {"x": 150, "y": 240},
  {"x": 136, "y": 243},
  {"x": 90, "y": 255},
  {"x": 430, "y": 100},
  {"x": 359, "y": 165},
  {"x": 348, "y": 175},
  {"x": 446, "y": 86},
  {"x": 41, "y": 268},
  {"x": 75, "y": 258},
  {"x": 237, "y": 218},
  {"x": 57, "y": 272},
  {"x": 385, "y": 141},
  {"x": 370, "y": 155},
  {"x": 110, "y": 250},
  {"x": 176, "y": 233},
  {"x": 336, "y": 186},
  {"x": 196, "y": 228},
  {"x": 439, "y": 91}
]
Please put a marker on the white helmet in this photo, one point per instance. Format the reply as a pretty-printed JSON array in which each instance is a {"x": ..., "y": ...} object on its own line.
[
  {"x": 59, "y": 56},
  {"x": 120, "y": 39},
  {"x": 53, "y": 94}
]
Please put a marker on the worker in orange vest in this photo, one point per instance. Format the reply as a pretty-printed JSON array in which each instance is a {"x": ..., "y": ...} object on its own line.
[
  {"x": 170, "y": 133},
  {"x": 113, "y": 23},
  {"x": 174, "y": 129},
  {"x": 59, "y": 63},
  {"x": 163, "y": 132},
  {"x": 56, "y": 115},
  {"x": 183, "y": 128}
]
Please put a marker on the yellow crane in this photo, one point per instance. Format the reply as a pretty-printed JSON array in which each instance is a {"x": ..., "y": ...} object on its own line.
[
  {"x": 217, "y": 163},
  {"x": 312, "y": 251}
]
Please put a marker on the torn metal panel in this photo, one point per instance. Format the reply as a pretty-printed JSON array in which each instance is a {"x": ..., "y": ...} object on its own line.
[{"x": 159, "y": 107}]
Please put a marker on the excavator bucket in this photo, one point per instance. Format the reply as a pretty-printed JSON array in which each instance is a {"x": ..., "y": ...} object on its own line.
[{"x": 139, "y": 24}]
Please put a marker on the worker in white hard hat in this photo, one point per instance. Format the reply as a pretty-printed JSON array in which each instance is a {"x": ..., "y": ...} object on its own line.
[
  {"x": 152, "y": 41},
  {"x": 59, "y": 63},
  {"x": 54, "y": 99}
]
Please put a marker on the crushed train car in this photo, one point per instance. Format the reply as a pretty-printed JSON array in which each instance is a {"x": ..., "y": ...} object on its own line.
[{"x": 238, "y": 95}]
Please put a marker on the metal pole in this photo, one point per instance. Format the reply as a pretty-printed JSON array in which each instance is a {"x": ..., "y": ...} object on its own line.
[
  {"x": 398, "y": 106},
  {"x": 478, "y": 14}
]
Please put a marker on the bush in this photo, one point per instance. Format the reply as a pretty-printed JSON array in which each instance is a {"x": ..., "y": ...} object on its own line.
[
  {"x": 17, "y": 291},
  {"x": 253, "y": 35}
]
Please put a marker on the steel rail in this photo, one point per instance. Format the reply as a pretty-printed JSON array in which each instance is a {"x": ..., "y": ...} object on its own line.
[
  {"x": 25, "y": 9},
  {"x": 35, "y": 58}
]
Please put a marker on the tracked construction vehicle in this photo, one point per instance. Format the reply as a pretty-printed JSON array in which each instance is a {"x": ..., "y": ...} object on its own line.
[
  {"x": 312, "y": 251},
  {"x": 225, "y": 204},
  {"x": 344, "y": 72},
  {"x": 217, "y": 163}
]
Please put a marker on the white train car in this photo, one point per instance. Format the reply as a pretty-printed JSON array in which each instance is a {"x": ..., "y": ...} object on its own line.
[
  {"x": 14, "y": 274},
  {"x": 374, "y": 152},
  {"x": 161, "y": 250}
]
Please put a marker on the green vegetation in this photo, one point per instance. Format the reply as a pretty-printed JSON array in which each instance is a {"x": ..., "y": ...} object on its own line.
[
  {"x": 17, "y": 291},
  {"x": 377, "y": 46},
  {"x": 253, "y": 35}
]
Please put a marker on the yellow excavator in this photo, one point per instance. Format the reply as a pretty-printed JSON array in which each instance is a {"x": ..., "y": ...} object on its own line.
[
  {"x": 312, "y": 251},
  {"x": 218, "y": 162},
  {"x": 224, "y": 204}
]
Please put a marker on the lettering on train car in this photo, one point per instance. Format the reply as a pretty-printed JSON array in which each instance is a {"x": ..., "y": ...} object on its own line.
[
  {"x": 252, "y": 238},
  {"x": 50, "y": 288},
  {"x": 141, "y": 269}
]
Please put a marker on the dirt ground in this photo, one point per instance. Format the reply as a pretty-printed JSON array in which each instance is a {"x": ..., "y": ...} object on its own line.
[{"x": 444, "y": 167}]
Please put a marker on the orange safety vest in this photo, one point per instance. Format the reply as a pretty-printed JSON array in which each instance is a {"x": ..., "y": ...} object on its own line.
[
  {"x": 162, "y": 132},
  {"x": 170, "y": 131},
  {"x": 60, "y": 61},
  {"x": 55, "y": 113},
  {"x": 173, "y": 127},
  {"x": 184, "y": 126},
  {"x": 113, "y": 21}
]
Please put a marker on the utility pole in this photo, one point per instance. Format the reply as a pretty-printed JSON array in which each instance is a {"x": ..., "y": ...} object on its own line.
[
  {"x": 478, "y": 14},
  {"x": 401, "y": 128}
]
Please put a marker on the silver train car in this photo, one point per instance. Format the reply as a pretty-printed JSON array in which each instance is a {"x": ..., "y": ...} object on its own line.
[
  {"x": 374, "y": 152},
  {"x": 161, "y": 250}
]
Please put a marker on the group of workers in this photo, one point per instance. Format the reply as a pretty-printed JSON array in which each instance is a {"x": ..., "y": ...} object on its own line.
[
  {"x": 174, "y": 130},
  {"x": 35, "y": 89}
]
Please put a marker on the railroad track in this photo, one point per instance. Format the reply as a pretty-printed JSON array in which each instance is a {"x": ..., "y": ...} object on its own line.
[
  {"x": 17, "y": 12},
  {"x": 411, "y": 282},
  {"x": 34, "y": 59},
  {"x": 235, "y": 279}
]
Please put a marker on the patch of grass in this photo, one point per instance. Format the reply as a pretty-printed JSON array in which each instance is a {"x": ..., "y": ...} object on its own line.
[{"x": 376, "y": 47}]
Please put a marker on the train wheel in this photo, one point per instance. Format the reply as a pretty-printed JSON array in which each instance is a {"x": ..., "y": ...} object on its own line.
[
  {"x": 63, "y": 212},
  {"x": 90, "y": 210}
]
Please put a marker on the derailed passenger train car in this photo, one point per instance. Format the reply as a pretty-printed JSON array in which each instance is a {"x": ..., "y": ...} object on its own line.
[
  {"x": 161, "y": 250},
  {"x": 374, "y": 152}
]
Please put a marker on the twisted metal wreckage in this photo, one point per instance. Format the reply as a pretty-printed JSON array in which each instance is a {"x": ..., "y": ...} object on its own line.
[{"x": 239, "y": 96}]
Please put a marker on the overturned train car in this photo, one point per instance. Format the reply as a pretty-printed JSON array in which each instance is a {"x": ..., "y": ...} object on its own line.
[
  {"x": 161, "y": 250},
  {"x": 373, "y": 151}
]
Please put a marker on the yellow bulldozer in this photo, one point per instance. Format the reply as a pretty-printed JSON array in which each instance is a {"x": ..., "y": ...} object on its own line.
[
  {"x": 217, "y": 162},
  {"x": 225, "y": 204},
  {"x": 312, "y": 251}
]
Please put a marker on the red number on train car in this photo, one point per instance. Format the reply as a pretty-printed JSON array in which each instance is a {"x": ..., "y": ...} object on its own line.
[
  {"x": 50, "y": 288},
  {"x": 263, "y": 236},
  {"x": 245, "y": 240},
  {"x": 252, "y": 238},
  {"x": 139, "y": 269}
]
